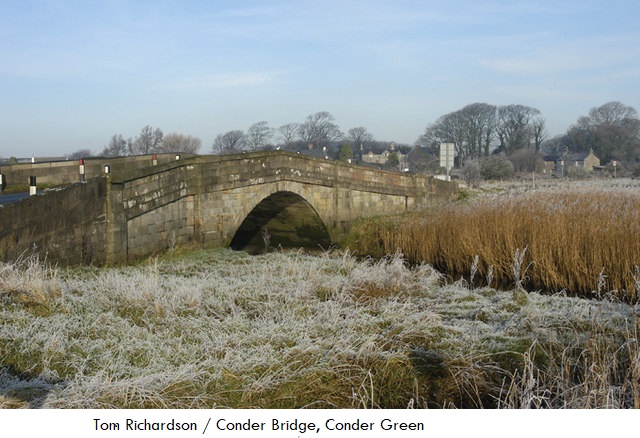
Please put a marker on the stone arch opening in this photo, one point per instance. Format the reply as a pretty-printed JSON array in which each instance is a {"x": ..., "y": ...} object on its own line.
[{"x": 288, "y": 219}]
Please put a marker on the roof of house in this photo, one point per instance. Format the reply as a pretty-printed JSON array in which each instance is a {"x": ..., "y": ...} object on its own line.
[
  {"x": 569, "y": 156},
  {"x": 575, "y": 156}
]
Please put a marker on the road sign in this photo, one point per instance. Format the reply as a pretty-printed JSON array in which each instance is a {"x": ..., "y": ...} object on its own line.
[{"x": 447, "y": 151}]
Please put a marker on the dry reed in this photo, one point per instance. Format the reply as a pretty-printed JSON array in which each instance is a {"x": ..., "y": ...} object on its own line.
[{"x": 584, "y": 241}]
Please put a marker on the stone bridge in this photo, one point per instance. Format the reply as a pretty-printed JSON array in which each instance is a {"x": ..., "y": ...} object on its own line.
[{"x": 282, "y": 198}]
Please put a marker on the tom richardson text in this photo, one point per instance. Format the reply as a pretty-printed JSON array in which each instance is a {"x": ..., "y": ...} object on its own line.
[{"x": 219, "y": 425}]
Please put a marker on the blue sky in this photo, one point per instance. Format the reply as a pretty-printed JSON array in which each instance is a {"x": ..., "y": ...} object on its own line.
[{"x": 73, "y": 73}]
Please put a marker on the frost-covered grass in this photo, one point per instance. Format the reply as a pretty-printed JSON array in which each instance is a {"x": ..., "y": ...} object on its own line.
[{"x": 286, "y": 330}]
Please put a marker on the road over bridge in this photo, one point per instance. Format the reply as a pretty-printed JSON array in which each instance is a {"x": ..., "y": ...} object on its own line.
[{"x": 208, "y": 201}]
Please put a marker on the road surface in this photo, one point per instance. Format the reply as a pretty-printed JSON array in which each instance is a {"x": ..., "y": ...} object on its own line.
[{"x": 12, "y": 197}]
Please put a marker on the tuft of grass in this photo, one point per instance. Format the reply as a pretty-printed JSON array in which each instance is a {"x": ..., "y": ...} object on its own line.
[
  {"x": 603, "y": 372},
  {"x": 30, "y": 283}
]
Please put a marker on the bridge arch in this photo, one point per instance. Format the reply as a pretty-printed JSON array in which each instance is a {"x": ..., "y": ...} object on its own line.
[{"x": 285, "y": 219}]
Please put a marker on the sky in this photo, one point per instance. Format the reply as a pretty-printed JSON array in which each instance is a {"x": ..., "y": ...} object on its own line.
[{"x": 74, "y": 73}]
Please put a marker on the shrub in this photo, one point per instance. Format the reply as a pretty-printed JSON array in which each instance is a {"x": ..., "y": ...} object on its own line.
[
  {"x": 471, "y": 173},
  {"x": 526, "y": 160},
  {"x": 496, "y": 167},
  {"x": 577, "y": 172}
]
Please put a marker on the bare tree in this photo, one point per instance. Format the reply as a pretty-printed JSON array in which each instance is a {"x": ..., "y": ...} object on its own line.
[
  {"x": 359, "y": 137},
  {"x": 471, "y": 128},
  {"x": 611, "y": 113},
  {"x": 81, "y": 153},
  {"x": 479, "y": 120},
  {"x": 526, "y": 160},
  {"x": 174, "y": 142},
  {"x": 117, "y": 147},
  {"x": 555, "y": 146},
  {"x": 258, "y": 135},
  {"x": 421, "y": 160},
  {"x": 583, "y": 136},
  {"x": 228, "y": 143},
  {"x": 616, "y": 129},
  {"x": 319, "y": 129},
  {"x": 538, "y": 133},
  {"x": 430, "y": 138},
  {"x": 514, "y": 129},
  {"x": 450, "y": 129},
  {"x": 149, "y": 141},
  {"x": 288, "y": 132},
  {"x": 611, "y": 130}
]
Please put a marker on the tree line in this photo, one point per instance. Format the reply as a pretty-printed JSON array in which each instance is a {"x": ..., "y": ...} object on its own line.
[
  {"x": 481, "y": 129},
  {"x": 478, "y": 130},
  {"x": 611, "y": 130},
  {"x": 150, "y": 141},
  {"x": 318, "y": 131}
]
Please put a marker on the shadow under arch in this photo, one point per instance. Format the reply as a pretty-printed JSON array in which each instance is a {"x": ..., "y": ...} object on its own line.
[{"x": 288, "y": 219}]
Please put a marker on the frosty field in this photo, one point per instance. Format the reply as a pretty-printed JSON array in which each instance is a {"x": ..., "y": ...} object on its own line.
[{"x": 287, "y": 330}]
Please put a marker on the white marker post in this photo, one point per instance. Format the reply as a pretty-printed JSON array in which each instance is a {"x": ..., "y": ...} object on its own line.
[
  {"x": 32, "y": 186},
  {"x": 81, "y": 168},
  {"x": 447, "y": 152},
  {"x": 154, "y": 160},
  {"x": 1, "y": 182},
  {"x": 615, "y": 164}
]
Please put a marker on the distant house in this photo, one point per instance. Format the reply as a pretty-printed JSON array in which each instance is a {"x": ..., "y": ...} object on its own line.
[
  {"x": 584, "y": 160},
  {"x": 382, "y": 158}
]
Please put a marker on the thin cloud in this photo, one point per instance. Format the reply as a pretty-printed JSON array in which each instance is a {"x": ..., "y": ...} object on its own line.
[
  {"x": 225, "y": 80},
  {"x": 580, "y": 55}
]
